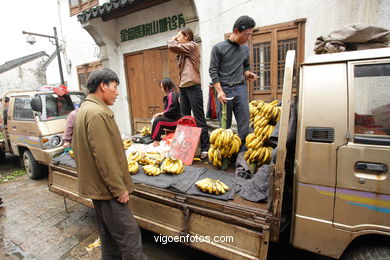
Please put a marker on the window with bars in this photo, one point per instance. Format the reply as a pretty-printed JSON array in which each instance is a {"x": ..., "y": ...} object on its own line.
[
  {"x": 77, "y": 6},
  {"x": 261, "y": 65},
  {"x": 83, "y": 72},
  {"x": 283, "y": 47},
  {"x": 269, "y": 46}
]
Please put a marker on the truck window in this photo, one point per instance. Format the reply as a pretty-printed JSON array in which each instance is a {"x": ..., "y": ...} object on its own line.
[
  {"x": 372, "y": 103},
  {"x": 22, "y": 109},
  {"x": 55, "y": 107}
]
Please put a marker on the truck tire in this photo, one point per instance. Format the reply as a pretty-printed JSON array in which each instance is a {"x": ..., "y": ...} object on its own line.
[
  {"x": 33, "y": 168},
  {"x": 373, "y": 252}
]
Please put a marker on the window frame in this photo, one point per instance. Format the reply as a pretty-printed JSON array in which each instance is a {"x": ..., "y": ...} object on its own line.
[
  {"x": 272, "y": 34},
  {"x": 364, "y": 139},
  {"x": 14, "y": 109},
  {"x": 85, "y": 69},
  {"x": 76, "y": 9}
]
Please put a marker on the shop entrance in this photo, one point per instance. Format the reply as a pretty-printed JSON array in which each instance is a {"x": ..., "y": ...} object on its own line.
[{"x": 144, "y": 71}]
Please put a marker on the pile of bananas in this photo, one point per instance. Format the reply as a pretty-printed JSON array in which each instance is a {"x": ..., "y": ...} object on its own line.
[
  {"x": 133, "y": 167},
  {"x": 172, "y": 166},
  {"x": 223, "y": 144},
  {"x": 211, "y": 186},
  {"x": 152, "y": 170},
  {"x": 263, "y": 155},
  {"x": 134, "y": 156},
  {"x": 263, "y": 118},
  {"x": 145, "y": 131},
  {"x": 127, "y": 144},
  {"x": 262, "y": 113},
  {"x": 151, "y": 158}
]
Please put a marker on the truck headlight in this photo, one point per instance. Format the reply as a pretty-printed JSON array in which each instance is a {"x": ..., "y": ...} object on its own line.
[{"x": 50, "y": 142}]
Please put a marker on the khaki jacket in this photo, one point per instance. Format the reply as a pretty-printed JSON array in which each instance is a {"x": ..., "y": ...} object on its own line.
[
  {"x": 100, "y": 158},
  {"x": 188, "y": 61}
]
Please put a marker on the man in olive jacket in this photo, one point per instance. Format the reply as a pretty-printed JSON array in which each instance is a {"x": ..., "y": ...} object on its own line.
[{"x": 102, "y": 168}]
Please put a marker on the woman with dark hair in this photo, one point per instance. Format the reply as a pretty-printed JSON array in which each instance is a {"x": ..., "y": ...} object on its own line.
[
  {"x": 191, "y": 96},
  {"x": 168, "y": 118}
]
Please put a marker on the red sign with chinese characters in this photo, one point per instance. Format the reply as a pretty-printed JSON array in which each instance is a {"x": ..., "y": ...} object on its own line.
[{"x": 184, "y": 143}]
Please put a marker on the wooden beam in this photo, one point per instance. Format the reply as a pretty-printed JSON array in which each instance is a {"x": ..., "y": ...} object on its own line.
[{"x": 278, "y": 174}]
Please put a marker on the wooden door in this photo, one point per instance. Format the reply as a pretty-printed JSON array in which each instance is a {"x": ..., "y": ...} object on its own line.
[{"x": 145, "y": 70}]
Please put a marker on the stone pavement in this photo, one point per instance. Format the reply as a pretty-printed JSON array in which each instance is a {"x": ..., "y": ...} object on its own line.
[{"x": 35, "y": 225}]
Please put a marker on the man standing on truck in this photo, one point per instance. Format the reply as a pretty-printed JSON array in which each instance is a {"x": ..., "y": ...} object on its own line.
[
  {"x": 102, "y": 168},
  {"x": 229, "y": 67}
]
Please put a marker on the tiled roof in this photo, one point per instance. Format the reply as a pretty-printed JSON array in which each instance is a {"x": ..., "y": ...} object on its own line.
[
  {"x": 8, "y": 65},
  {"x": 106, "y": 8},
  {"x": 113, "y": 7}
]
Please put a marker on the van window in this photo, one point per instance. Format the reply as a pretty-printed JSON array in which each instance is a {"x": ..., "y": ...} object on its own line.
[
  {"x": 372, "y": 100},
  {"x": 55, "y": 107},
  {"x": 22, "y": 109}
]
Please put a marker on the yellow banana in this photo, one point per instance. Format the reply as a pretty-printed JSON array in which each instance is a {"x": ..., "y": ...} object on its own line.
[{"x": 249, "y": 138}]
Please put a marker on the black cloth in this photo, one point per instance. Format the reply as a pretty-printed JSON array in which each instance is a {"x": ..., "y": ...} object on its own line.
[
  {"x": 64, "y": 159},
  {"x": 191, "y": 98},
  {"x": 119, "y": 232},
  {"x": 172, "y": 106},
  {"x": 256, "y": 187},
  {"x": 161, "y": 123},
  {"x": 165, "y": 181},
  {"x": 228, "y": 61},
  {"x": 225, "y": 177}
]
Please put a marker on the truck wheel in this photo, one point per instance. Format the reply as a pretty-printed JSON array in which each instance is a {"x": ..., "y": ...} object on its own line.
[
  {"x": 378, "y": 252},
  {"x": 33, "y": 168}
]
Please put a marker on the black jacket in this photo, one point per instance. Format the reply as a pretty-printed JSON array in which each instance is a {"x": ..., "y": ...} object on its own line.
[{"x": 172, "y": 106}]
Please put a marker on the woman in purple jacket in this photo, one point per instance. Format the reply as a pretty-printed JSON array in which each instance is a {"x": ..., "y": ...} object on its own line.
[{"x": 168, "y": 118}]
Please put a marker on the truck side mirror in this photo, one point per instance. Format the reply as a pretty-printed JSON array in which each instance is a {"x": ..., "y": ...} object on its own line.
[{"x": 36, "y": 104}]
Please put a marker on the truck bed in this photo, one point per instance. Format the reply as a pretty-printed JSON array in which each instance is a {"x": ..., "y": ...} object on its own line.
[{"x": 171, "y": 213}]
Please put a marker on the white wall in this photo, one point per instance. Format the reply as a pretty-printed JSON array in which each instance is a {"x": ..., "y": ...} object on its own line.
[
  {"x": 79, "y": 47},
  {"x": 24, "y": 77}
]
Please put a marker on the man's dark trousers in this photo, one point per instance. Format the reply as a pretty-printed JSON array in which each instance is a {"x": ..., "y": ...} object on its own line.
[
  {"x": 192, "y": 98},
  {"x": 239, "y": 106},
  {"x": 119, "y": 233}
]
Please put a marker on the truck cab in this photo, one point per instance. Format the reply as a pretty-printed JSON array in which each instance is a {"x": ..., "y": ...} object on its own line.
[
  {"x": 36, "y": 136},
  {"x": 342, "y": 157}
]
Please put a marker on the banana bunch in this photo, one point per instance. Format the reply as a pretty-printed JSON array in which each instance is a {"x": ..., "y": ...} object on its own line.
[
  {"x": 127, "y": 144},
  {"x": 152, "y": 170},
  {"x": 262, "y": 113},
  {"x": 133, "y": 167},
  {"x": 215, "y": 156},
  {"x": 172, "y": 166},
  {"x": 263, "y": 118},
  {"x": 257, "y": 139},
  {"x": 152, "y": 158},
  {"x": 145, "y": 131},
  {"x": 262, "y": 155},
  {"x": 223, "y": 144},
  {"x": 212, "y": 186},
  {"x": 134, "y": 156}
]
